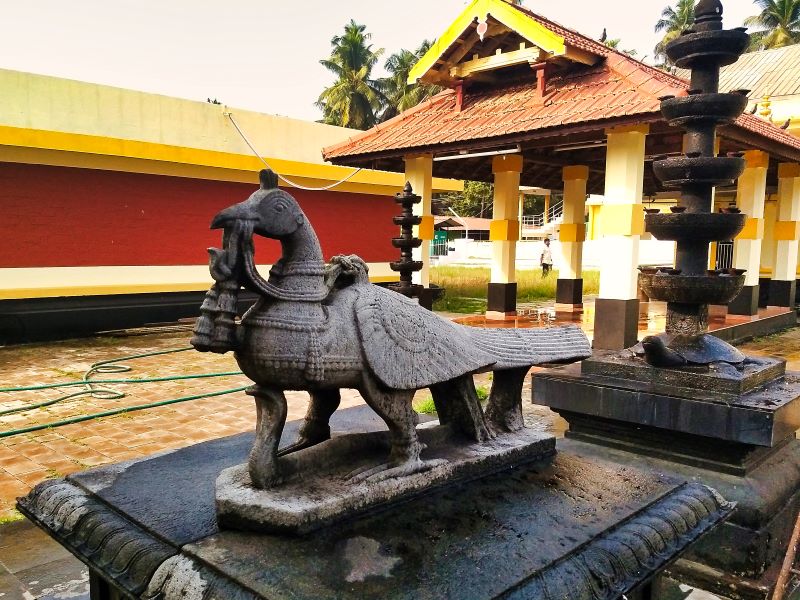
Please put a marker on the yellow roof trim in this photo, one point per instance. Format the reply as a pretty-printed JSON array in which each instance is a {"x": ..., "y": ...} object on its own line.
[
  {"x": 480, "y": 10},
  {"x": 116, "y": 154}
]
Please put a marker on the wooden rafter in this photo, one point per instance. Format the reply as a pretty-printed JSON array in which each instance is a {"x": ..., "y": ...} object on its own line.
[{"x": 495, "y": 61}]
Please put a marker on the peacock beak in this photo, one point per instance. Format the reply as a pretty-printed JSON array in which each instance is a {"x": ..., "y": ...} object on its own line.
[{"x": 244, "y": 211}]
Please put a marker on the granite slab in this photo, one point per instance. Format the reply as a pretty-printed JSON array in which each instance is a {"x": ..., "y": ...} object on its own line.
[
  {"x": 569, "y": 527},
  {"x": 765, "y": 416}
]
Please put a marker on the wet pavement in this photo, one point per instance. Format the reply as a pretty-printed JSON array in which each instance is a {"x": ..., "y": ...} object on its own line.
[{"x": 31, "y": 564}]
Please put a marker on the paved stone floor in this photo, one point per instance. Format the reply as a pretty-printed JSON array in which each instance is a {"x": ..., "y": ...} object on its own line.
[{"x": 31, "y": 565}]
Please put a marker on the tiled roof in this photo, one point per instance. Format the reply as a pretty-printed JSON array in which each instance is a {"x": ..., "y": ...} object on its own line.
[
  {"x": 613, "y": 90},
  {"x": 617, "y": 89},
  {"x": 773, "y": 73},
  {"x": 571, "y": 37}
]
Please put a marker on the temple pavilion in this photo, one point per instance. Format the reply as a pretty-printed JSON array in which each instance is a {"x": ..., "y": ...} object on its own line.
[{"x": 529, "y": 102}]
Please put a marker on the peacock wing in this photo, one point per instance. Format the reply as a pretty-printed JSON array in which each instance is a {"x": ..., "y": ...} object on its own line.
[
  {"x": 408, "y": 347},
  {"x": 512, "y": 348}
]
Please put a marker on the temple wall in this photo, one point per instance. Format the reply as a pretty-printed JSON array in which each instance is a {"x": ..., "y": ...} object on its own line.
[
  {"x": 93, "y": 231},
  {"x": 42, "y": 102}
]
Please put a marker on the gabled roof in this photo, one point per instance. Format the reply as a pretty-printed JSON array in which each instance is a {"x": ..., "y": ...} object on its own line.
[
  {"x": 618, "y": 90},
  {"x": 461, "y": 223},
  {"x": 488, "y": 26}
]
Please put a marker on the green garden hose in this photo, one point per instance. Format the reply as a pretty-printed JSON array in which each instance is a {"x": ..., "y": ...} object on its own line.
[{"x": 93, "y": 389}]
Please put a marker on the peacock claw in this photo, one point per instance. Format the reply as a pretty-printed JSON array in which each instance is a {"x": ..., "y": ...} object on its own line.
[
  {"x": 390, "y": 471},
  {"x": 300, "y": 444}
]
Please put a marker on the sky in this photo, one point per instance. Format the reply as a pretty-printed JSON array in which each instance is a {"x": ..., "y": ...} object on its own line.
[{"x": 261, "y": 55}]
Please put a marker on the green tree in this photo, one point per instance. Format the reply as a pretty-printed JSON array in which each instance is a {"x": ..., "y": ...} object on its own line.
[
  {"x": 477, "y": 200},
  {"x": 777, "y": 25},
  {"x": 355, "y": 98},
  {"x": 399, "y": 94},
  {"x": 614, "y": 45},
  {"x": 672, "y": 22}
]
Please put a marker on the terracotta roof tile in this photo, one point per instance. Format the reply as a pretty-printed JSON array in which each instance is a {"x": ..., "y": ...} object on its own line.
[{"x": 621, "y": 87}]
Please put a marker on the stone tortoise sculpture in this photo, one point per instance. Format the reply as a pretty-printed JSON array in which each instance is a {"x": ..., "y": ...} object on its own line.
[{"x": 322, "y": 329}]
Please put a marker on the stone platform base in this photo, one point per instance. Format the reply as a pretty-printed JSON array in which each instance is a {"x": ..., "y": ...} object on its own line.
[
  {"x": 571, "y": 526},
  {"x": 677, "y": 401},
  {"x": 740, "y": 559},
  {"x": 317, "y": 487}
]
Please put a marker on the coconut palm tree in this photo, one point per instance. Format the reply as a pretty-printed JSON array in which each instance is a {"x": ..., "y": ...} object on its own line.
[
  {"x": 400, "y": 95},
  {"x": 777, "y": 25},
  {"x": 354, "y": 98},
  {"x": 614, "y": 44},
  {"x": 672, "y": 22}
]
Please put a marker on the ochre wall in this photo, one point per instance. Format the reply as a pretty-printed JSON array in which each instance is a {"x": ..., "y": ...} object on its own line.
[
  {"x": 55, "y": 104},
  {"x": 59, "y": 216}
]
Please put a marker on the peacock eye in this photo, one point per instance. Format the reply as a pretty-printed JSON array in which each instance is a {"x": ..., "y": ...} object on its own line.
[{"x": 279, "y": 207}]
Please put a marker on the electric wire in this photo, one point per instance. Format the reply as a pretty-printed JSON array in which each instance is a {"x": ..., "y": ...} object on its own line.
[{"x": 281, "y": 177}]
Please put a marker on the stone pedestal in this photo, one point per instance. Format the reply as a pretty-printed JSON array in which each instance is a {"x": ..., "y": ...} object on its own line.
[
  {"x": 576, "y": 527},
  {"x": 746, "y": 303},
  {"x": 782, "y": 293},
  {"x": 502, "y": 298},
  {"x": 569, "y": 292},
  {"x": 732, "y": 430}
]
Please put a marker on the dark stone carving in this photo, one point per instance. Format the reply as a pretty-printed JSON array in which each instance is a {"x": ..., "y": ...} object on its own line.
[
  {"x": 104, "y": 540},
  {"x": 617, "y": 529},
  {"x": 407, "y": 266},
  {"x": 690, "y": 287},
  {"x": 321, "y": 329}
]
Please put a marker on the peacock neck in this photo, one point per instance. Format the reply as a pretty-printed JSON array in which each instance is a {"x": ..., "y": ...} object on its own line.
[{"x": 300, "y": 272}]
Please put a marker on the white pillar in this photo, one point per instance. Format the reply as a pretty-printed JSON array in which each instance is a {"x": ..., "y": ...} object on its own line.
[
  {"x": 750, "y": 197},
  {"x": 504, "y": 233},
  {"x": 621, "y": 227},
  {"x": 786, "y": 233},
  {"x": 571, "y": 235},
  {"x": 419, "y": 173}
]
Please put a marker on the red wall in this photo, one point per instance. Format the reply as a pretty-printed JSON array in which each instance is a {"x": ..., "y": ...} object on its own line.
[{"x": 59, "y": 217}]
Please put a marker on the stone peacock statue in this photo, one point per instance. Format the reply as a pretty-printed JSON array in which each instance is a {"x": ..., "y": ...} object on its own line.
[{"x": 323, "y": 329}]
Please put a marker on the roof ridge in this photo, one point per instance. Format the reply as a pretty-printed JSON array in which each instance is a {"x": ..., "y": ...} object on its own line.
[
  {"x": 602, "y": 48},
  {"x": 656, "y": 72}
]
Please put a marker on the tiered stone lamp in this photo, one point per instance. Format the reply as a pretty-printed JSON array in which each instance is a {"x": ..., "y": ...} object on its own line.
[
  {"x": 690, "y": 287},
  {"x": 407, "y": 266},
  {"x": 684, "y": 402}
]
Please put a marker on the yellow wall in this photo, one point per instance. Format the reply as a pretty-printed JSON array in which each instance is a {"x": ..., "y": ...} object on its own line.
[
  {"x": 783, "y": 108},
  {"x": 61, "y": 122},
  {"x": 53, "y": 104},
  {"x": 16, "y": 283}
]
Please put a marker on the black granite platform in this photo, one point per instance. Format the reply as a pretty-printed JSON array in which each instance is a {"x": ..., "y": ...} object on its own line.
[
  {"x": 576, "y": 527},
  {"x": 762, "y": 416},
  {"x": 743, "y": 445}
]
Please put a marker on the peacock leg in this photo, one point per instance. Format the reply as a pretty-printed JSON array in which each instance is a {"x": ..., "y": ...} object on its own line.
[
  {"x": 270, "y": 419},
  {"x": 316, "y": 427},
  {"x": 394, "y": 407},
  {"x": 504, "y": 410},
  {"x": 457, "y": 404}
]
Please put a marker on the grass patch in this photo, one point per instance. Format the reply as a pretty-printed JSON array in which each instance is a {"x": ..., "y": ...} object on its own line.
[
  {"x": 427, "y": 407},
  {"x": 12, "y": 518},
  {"x": 466, "y": 287}
]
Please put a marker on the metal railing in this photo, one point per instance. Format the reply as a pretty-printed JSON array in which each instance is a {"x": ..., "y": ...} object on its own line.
[
  {"x": 439, "y": 248},
  {"x": 554, "y": 214},
  {"x": 724, "y": 255}
]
